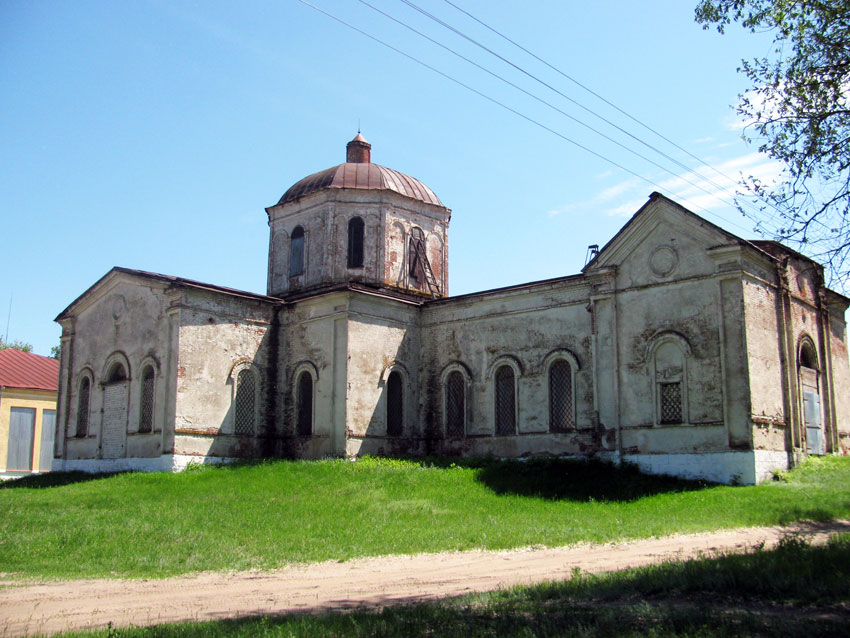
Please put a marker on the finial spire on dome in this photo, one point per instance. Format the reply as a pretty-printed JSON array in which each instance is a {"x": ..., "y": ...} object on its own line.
[{"x": 358, "y": 150}]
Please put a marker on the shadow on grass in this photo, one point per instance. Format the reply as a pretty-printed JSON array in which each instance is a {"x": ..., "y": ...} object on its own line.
[
  {"x": 54, "y": 479},
  {"x": 577, "y": 480}
]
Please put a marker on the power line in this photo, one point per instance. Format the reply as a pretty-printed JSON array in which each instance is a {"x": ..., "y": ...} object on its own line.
[
  {"x": 592, "y": 92},
  {"x": 512, "y": 110},
  {"x": 549, "y": 104},
  {"x": 753, "y": 215}
]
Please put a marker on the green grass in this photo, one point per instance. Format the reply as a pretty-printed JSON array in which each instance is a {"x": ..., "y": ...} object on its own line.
[
  {"x": 794, "y": 591},
  {"x": 266, "y": 515}
]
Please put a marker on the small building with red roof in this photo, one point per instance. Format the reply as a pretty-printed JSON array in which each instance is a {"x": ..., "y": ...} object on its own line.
[{"x": 28, "y": 389}]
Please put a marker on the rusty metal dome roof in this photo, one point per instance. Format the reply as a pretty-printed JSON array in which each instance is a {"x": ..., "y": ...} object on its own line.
[{"x": 358, "y": 172}]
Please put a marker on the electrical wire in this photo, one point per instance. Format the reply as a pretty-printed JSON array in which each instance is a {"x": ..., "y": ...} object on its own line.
[{"x": 512, "y": 110}]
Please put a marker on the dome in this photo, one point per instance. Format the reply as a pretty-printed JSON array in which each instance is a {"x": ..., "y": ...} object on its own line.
[{"x": 359, "y": 172}]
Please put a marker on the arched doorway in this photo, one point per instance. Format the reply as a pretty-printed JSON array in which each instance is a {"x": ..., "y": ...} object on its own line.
[
  {"x": 808, "y": 373},
  {"x": 115, "y": 395}
]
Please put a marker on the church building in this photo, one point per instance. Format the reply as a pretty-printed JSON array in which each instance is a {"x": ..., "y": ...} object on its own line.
[{"x": 679, "y": 347}]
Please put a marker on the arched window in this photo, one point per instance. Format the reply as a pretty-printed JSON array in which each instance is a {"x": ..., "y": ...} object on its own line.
[
  {"x": 668, "y": 354},
  {"x": 505, "y": 400},
  {"x": 395, "y": 405},
  {"x": 808, "y": 358},
  {"x": 355, "y": 242},
  {"x": 455, "y": 391},
  {"x": 116, "y": 373},
  {"x": 245, "y": 402},
  {"x": 296, "y": 252},
  {"x": 83, "y": 402},
  {"x": 561, "y": 413},
  {"x": 146, "y": 400},
  {"x": 304, "y": 404}
]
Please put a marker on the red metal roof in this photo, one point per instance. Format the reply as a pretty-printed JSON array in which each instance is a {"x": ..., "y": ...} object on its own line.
[
  {"x": 25, "y": 370},
  {"x": 362, "y": 176}
]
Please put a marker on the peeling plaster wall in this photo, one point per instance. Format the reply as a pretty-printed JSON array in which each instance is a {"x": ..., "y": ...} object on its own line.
[
  {"x": 388, "y": 219},
  {"x": 217, "y": 333},
  {"x": 523, "y": 326},
  {"x": 840, "y": 374},
  {"x": 315, "y": 341},
  {"x": 126, "y": 318},
  {"x": 383, "y": 336}
]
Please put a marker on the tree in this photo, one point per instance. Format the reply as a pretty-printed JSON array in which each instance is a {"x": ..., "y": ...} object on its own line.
[
  {"x": 800, "y": 114},
  {"x": 15, "y": 345},
  {"x": 55, "y": 351}
]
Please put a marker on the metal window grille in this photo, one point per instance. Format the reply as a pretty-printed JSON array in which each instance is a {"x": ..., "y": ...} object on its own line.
[
  {"x": 304, "y": 404},
  {"x": 245, "y": 402},
  {"x": 83, "y": 408},
  {"x": 296, "y": 252},
  {"x": 505, "y": 401},
  {"x": 355, "y": 243},
  {"x": 395, "y": 405},
  {"x": 146, "y": 406},
  {"x": 455, "y": 404},
  {"x": 671, "y": 402},
  {"x": 561, "y": 397}
]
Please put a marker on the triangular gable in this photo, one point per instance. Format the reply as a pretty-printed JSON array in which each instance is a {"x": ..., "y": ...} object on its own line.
[
  {"x": 648, "y": 216},
  {"x": 117, "y": 273}
]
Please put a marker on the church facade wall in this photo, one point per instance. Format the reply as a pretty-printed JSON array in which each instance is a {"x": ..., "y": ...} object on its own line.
[
  {"x": 524, "y": 331},
  {"x": 112, "y": 341},
  {"x": 314, "y": 342},
  {"x": 225, "y": 367}
]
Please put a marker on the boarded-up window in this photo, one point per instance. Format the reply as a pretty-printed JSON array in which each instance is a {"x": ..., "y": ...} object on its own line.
[
  {"x": 304, "y": 404},
  {"x": 505, "y": 401},
  {"x": 455, "y": 404},
  {"x": 83, "y": 400},
  {"x": 416, "y": 257},
  {"x": 671, "y": 402},
  {"x": 355, "y": 242},
  {"x": 244, "y": 407},
  {"x": 395, "y": 405},
  {"x": 296, "y": 252},
  {"x": 114, "y": 424},
  {"x": 21, "y": 433},
  {"x": 146, "y": 401},
  {"x": 561, "y": 397}
]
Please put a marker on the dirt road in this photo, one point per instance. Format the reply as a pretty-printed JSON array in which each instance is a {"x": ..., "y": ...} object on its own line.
[{"x": 44, "y": 608}]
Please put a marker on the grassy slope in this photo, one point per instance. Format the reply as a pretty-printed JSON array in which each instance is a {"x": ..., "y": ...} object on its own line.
[
  {"x": 794, "y": 591},
  {"x": 270, "y": 514}
]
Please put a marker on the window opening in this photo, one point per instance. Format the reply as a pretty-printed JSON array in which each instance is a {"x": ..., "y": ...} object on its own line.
[
  {"x": 455, "y": 404},
  {"x": 296, "y": 252},
  {"x": 146, "y": 403},
  {"x": 395, "y": 405},
  {"x": 420, "y": 268},
  {"x": 116, "y": 373},
  {"x": 561, "y": 397},
  {"x": 671, "y": 402},
  {"x": 505, "y": 401},
  {"x": 245, "y": 402},
  {"x": 304, "y": 404},
  {"x": 355, "y": 242},
  {"x": 83, "y": 408},
  {"x": 807, "y": 357}
]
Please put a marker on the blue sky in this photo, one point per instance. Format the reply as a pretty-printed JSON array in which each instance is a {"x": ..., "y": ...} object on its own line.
[{"x": 152, "y": 134}]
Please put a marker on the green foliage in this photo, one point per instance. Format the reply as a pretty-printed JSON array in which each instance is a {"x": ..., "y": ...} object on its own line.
[
  {"x": 793, "y": 591},
  {"x": 800, "y": 116},
  {"x": 55, "y": 351},
  {"x": 15, "y": 345},
  {"x": 268, "y": 514}
]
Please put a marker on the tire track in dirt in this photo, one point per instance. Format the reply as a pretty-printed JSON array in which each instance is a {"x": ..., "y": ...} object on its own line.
[{"x": 49, "y": 607}]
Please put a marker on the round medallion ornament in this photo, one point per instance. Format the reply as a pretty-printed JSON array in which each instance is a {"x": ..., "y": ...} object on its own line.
[{"x": 663, "y": 261}]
